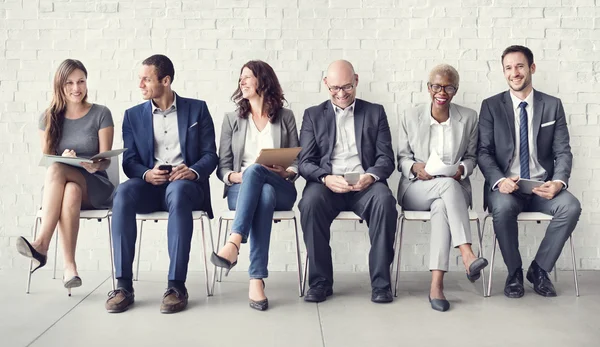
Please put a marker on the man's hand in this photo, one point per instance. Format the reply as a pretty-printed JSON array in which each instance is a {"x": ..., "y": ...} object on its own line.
[
  {"x": 337, "y": 184},
  {"x": 157, "y": 177},
  {"x": 363, "y": 183},
  {"x": 458, "y": 175},
  {"x": 182, "y": 172},
  {"x": 280, "y": 170},
  {"x": 419, "y": 170},
  {"x": 508, "y": 185},
  {"x": 548, "y": 190},
  {"x": 235, "y": 177}
]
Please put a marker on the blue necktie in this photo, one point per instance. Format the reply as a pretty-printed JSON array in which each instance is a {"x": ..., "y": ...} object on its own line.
[{"x": 524, "y": 142}]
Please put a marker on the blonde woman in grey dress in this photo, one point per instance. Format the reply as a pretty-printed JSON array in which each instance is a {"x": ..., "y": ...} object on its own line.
[{"x": 71, "y": 126}]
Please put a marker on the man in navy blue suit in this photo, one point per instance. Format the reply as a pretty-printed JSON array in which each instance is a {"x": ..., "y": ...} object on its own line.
[{"x": 171, "y": 152}]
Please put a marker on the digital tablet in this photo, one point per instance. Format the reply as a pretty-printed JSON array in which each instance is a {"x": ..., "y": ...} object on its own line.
[
  {"x": 526, "y": 186},
  {"x": 278, "y": 156}
]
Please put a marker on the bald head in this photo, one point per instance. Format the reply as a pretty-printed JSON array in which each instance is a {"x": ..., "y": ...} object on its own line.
[{"x": 341, "y": 80}]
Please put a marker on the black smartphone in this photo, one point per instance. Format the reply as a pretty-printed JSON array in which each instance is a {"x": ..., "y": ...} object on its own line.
[{"x": 169, "y": 168}]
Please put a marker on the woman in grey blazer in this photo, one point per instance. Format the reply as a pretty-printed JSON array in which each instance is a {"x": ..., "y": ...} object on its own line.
[
  {"x": 255, "y": 191},
  {"x": 442, "y": 131}
]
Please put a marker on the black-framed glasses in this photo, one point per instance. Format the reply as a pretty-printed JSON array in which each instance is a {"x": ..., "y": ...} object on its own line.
[
  {"x": 449, "y": 89},
  {"x": 347, "y": 88}
]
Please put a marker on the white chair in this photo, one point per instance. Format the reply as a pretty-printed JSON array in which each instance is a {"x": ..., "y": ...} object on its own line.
[
  {"x": 425, "y": 216},
  {"x": 530, "y": 217},
  {"x": 113, "y": 175},
  {"x": 164, "y": 216},
  {"x": 342, "y": 216},
  {"x": 278, "y": 216}
]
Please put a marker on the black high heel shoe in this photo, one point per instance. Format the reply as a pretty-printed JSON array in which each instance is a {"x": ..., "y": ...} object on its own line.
[
  {"x": 26, "y": 249},
  {"x": 219, "y": 261},
  {"x": 261, "y": 305}
]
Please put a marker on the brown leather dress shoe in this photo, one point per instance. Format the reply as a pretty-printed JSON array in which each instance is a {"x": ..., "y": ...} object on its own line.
[
  {"x": 174, "y": 300},
  {"x": 119, "y": 300}
]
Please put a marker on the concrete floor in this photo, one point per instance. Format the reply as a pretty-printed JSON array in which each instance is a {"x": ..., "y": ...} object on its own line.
[{"x": 48, "y": 317}]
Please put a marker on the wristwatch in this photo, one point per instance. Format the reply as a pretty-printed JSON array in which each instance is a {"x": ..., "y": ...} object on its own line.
[{"x": 322, "y": 178}]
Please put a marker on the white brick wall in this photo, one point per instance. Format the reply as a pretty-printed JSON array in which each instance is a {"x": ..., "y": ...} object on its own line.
[{"x": 392, "y": 44}]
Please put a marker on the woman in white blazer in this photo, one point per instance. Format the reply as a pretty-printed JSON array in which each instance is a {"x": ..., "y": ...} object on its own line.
[{"x": 446, "y": 132}]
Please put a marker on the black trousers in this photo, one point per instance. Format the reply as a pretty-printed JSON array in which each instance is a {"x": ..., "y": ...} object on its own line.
[{"x": 376, "y": 205}]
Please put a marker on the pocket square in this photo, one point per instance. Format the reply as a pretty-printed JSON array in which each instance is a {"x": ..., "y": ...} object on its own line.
[
  {"x": 548, "y": 123},
  {"x": 193, "y": 125}
]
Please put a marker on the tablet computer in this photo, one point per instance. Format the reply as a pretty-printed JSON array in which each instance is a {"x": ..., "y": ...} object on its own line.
[
  {"x": 526, "y": 186},
  {"x": 278, "y": 156}
]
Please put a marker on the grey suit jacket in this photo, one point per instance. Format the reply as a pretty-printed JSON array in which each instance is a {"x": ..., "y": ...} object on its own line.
[
  {"x": 373, "y": 140},
  {"x": 233, "y": 139},
  {"x": 413, "y": 142},
  {"x": 497, "y": 138}
]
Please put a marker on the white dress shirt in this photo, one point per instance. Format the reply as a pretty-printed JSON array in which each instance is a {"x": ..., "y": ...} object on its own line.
[
  {"x": 442, "y": 141},
  {"x": 255, "y": 141}
]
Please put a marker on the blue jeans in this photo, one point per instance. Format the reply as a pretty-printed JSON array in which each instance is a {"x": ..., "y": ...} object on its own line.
[{"x": 261, "y": 193}]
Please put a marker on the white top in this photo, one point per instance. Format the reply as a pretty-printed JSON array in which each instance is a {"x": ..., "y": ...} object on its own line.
[
  {"x": 441, "y": 140},
  {"x": 255, "y": 141},
  {"x": 345, "y": 153}
]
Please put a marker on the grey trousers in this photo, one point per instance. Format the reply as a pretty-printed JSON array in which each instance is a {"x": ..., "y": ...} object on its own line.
[
  {"x": 565, "y": 209},
  {"x": 447, "y": 201}
]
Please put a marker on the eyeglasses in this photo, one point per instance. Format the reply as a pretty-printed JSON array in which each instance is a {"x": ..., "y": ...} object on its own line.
[
  {"x": 336, "y": 89},
  {"x": 438, "y": 88}
]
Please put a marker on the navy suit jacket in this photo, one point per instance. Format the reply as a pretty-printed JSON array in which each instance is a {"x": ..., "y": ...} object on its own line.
[
  {"x": 196, "y": 138},
  {"x": 373, "y": 140},
  {"x": 497, "y": 138}
]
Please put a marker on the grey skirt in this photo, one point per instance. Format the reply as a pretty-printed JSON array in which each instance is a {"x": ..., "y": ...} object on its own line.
[{"x": 100, "y": 189}]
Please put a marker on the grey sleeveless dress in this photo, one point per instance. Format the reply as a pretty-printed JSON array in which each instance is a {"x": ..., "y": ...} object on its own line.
[{"x": 81, "y": 135}]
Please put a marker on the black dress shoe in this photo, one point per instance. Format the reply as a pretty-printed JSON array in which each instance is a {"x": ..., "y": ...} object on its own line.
[
  {"x": 261, "y": 305},
  {"x": 540, "y": 280},
  {"x": 514, "y": 285},
  {"x": 318, "y": 293},
  {"x": 475, "y": 269},
  {"x": 382, "y": 295},
  {"x": 441, "y": 305}
]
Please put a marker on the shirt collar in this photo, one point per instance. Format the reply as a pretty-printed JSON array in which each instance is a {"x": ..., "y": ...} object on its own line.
[
  {"x": 435, "y": 122},
  {"x": 173, "y": 105},
  {"x": 516, "y": 101},
  {"x": 338, "y": 109}
]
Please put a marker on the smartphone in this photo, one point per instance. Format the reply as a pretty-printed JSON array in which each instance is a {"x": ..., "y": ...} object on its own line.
[
  {"x": 169, "y": 168},
  {"x": 352, "y": 177}
]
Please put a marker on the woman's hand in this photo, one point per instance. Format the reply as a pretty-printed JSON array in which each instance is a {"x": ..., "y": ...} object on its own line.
[
  {"x": 235, "y": 177},
  {"x": 280, "y": 170},
  {"x": 69, "y": 153},
  {"x": 93, "y": 167}
]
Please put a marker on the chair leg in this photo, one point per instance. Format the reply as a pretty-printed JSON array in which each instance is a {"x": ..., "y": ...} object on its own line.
[
  {"x": 489, "y": 290},
  {"x": 480, "y": 254},
  {"x": 55, "y": 253},
  {"x": 208, "y": 292},
  {"x": 224, "y": 243},
  {"x": 574, "y": 266},
  {"x": 35, "y": 229},
  {"x": 399, "y": 230},
  {"x": 305, "y": 274},
  {"x": 298, "y": 259},
  {"x": 215, "y": 267},
  {"x": 137, "y": 271},
  {"x": 112, "y": 255}
]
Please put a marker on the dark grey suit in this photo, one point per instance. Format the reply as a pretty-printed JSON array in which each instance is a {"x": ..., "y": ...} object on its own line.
[
  {"x": 496, "y": 155},
  {"x": 319, "y": 205}
]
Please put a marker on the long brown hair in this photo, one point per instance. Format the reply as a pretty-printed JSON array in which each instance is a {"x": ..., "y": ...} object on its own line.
[
  {"x": 55, "y": 113},
  {"x": 268, "y": 87}
]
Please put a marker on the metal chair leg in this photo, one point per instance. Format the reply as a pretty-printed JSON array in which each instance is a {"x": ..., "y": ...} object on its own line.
[
  {"x": 55, "y": 253},
  {"x": 208, "y": 292},
  {"x": 305, "y": 273},
  {"x": 35, "y": 229},
  {"x": 224, "y": 243},
  {"x": 137, "y": 271},
  {"x": 480, "y": 254},
  {"x": 112, "y": 255},
  {"x": 298, "y": 259},
  {"x": 489, "y": 291},
  {"x": 574, "y": 266},
  {"x": 400, "y": 228},
  {"x": 215, "y": 267}
]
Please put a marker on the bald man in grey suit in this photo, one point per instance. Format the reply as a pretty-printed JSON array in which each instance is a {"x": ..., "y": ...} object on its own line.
[{"x": 523, "y": 134}]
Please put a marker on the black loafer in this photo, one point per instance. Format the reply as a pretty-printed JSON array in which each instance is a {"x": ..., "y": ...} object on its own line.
[
  {"x": 441, "y": 305},
  {"x": 540, "y": 280},
  {"x": 475, "y": 269},
  {"x": 514, "y": 285},
  {"x": 381, "y": 295},
  {"x": 318, "y": 293}
]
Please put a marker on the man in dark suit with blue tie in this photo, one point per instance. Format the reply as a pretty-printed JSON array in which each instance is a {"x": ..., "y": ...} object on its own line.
[
  {"x": 171, "y": 152},
  {"x": 523, "y": 135},
  {"x": 343, "y": 135}
]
